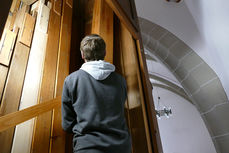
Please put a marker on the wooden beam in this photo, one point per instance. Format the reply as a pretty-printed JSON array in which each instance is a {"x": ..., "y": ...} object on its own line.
[
  {"x": 102, "y": 24},
  {"x": 15, "y": 118},
  {"x": 115, "y": 6},
  {"x": 14, "y": 84}
]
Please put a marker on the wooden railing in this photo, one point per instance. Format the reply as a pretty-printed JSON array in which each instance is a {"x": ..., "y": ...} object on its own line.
[{"x": 13, "y": 119}]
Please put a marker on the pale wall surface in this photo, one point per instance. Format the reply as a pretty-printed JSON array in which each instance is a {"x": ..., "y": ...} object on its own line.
[
  {"x": 202, "y": 24},
  {"x": 184, "y": 131}
]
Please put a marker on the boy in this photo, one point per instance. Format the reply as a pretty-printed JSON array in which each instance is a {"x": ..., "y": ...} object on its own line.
[{"x": 93, "y": 103}]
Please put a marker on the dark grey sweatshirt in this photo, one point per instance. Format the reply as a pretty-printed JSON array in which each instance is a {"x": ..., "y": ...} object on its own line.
[{"x": 94, "y": 111}]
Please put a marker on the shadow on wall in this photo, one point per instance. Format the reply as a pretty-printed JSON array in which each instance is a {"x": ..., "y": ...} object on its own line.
[{"x": 197, "y": 78}]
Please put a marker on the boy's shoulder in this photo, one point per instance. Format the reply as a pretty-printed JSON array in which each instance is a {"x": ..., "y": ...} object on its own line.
[{"x": 74, "y": 75}]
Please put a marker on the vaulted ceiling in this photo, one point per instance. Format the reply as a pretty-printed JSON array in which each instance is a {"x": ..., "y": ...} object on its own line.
[{"x": 200, "y": 83}]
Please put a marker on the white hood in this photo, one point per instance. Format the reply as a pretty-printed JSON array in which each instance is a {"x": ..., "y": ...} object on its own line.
[{"x": 99, "y": 70}]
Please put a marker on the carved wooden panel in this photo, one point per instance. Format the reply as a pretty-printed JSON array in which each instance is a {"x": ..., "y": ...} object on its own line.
[
  {"x": 7, "y": 46},
  {"x": 27, "y": 30}
]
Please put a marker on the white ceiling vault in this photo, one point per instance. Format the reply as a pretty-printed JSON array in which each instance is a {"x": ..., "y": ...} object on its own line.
[{"x": 201, "y": 84}]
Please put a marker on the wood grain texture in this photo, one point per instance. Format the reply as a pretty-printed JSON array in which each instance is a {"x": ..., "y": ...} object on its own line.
[
  {"x": 147, "y": 90},
  {"x": 3, "y": 72},
  {"x": 102, "y": 24},
  {"x": 28, "y": 2},
  {"x": 12, "y": 21},
  {"x": 15, "y": 5},
  {"x": 23, "y": 134},
  {"x": 14, "y": 84},
  {"x": 30, "y": 91},
  {"x": 127, "y": 64},
  {"x": 20, "y": 16},
  {"x": 13, "y": 119},
  {"x": 7, "y": 46},
  {"x": 48, "y": 82},
  {"x": 57, "y": 7},
  {"x": 69, "y": 3},
  {"x": 59, "y": 136},
  {"x": 26, "y": 34},
  {"x": 117, "y": 8}
]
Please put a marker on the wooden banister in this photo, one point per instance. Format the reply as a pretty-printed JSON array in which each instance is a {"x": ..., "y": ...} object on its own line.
[{"x": 13, "y": 119}]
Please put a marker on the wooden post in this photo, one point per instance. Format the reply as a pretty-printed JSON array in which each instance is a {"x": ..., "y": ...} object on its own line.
[
  {"x": 12, "y": 92},
  {"x": 102, "y": 24}
]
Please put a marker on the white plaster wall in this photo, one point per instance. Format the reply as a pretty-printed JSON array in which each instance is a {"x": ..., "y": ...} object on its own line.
[
  {"x": 202, "y": 24},
  {"x": 184, "y": 131}
]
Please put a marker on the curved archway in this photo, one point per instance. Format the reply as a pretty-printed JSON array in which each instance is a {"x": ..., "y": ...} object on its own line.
[{"x": 200, "y": 82}]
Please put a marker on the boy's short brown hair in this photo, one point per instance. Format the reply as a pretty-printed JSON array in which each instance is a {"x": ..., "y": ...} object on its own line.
[{"x": 93, "y": 47}]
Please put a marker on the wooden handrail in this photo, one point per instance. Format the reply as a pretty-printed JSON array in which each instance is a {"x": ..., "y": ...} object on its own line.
[{"x": 13, "y": 119}]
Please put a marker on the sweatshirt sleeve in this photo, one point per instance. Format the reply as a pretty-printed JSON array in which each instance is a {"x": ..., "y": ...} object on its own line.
[{"x": 68, "y": 113}]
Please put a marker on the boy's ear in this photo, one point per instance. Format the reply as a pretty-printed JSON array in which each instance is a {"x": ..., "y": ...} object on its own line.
[{"x": 82, "y": 55}]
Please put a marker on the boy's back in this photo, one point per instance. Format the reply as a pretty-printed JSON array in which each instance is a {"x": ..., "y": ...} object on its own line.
[{"x": 94, "y": 111}]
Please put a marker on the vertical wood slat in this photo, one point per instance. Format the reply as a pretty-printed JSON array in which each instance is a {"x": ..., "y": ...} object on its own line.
[
  {"x": 102, "y": 24},
  {"x": 30, "y": 93},
  {"x": 7, "y": 46},
  {"x": 137, "y": 124},
  {"x": 26, "y": 34},
  {"x": 3, "y": 72},
  {"x": 12, "y": 92},
  {"x": 59, "y": 144},
  {"x": 156, "y": 140}
]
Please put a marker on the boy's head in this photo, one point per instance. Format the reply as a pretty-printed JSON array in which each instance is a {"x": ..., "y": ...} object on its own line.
[{"x": 93, "y": 48}]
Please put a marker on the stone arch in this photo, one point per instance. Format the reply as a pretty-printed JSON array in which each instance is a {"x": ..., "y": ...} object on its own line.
[{"x": 201, "y": 83}]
